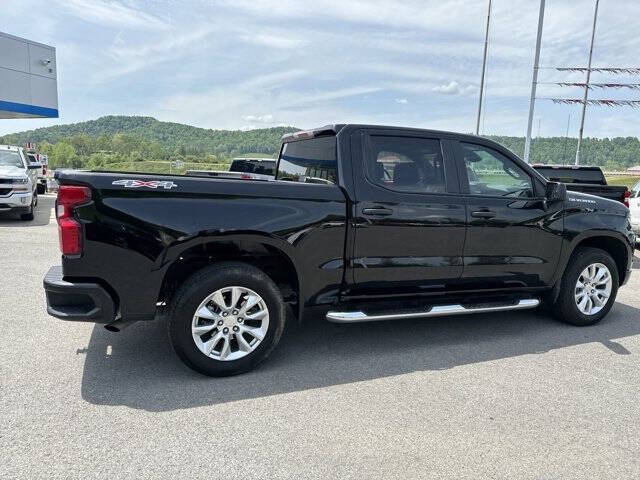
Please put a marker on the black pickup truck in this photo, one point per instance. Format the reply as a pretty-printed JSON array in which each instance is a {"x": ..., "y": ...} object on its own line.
[
  {"x": 585, "y": 179},
  {"x": 361, "y": 223}
]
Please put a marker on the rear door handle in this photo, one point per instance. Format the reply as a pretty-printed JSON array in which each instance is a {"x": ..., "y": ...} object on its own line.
[
  {"x": 377, "y": 211},
  {"x": 483, "y": 214}
]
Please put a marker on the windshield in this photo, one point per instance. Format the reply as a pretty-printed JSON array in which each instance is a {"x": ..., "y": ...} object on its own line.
[{"x": 10, "y": 158}]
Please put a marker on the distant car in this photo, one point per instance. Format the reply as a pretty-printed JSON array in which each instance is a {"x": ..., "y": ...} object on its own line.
[
  {"x": 242, "y": 169},
  {"x": 33, "y": 159},
  {"x": 18, "y": 182},
  {"x": 584, "y": 179},
  {"x": 52, "y": 184},
  {"x": 634, "y": 207}
]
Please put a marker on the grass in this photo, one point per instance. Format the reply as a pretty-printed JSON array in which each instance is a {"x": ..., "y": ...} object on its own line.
[
  {"x": 627, "y": 180},
  {"x": 256, "y": 155},
  {"x": 161, "y": 167}
]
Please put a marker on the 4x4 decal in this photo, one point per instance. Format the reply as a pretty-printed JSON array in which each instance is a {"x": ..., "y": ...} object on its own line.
[{"x": 128, "y": 183}]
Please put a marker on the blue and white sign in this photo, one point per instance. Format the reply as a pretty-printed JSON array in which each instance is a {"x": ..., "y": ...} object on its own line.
[{"x": 28, "y": 79}]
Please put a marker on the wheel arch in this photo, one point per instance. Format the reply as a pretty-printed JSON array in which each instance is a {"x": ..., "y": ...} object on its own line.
[
  {"x": 266, "y": 253},
  {"x": 613, "y": 243}
]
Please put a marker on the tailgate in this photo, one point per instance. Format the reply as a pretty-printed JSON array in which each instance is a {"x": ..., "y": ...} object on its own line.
[{"x": 612, "y": 192}]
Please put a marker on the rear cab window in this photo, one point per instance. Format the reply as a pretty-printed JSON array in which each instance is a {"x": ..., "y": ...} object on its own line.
[
  {"x": 312, "y": 160},
  {"x": 572, "y": 175},
  {"x": 263, "y": 167}
]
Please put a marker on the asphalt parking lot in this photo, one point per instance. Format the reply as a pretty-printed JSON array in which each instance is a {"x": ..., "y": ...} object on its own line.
[{"x": 509, "y": 395}]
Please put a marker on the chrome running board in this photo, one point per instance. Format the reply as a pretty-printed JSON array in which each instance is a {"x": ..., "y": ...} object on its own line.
[{"x": 435, "y": 311}]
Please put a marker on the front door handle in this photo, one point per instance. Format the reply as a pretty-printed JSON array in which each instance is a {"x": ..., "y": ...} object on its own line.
[
  {"x": 483, "y": 214},
  {"x": 377, "y": 211}
]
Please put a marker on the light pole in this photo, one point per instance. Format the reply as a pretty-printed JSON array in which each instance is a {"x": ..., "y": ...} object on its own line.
[
  {"x": 534, "y": 83},
  {"x": 484, "y": 68},
  {"x": 586, "y": 87}
]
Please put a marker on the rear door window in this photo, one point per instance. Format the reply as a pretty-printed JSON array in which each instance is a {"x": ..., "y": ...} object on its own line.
[
  {"x": 406, "y": 164},
  {"x": 309, "y": 161}
]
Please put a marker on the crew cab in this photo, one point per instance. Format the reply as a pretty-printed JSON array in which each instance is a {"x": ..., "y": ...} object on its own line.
[
  {"x": 585, "y": 179},
  {"x": 362, "y": 223},
  {"x": 18, "y": 182}
]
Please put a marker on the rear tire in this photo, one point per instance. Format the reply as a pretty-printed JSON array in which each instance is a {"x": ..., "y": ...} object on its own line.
[
  {"x": 201, "y": 293},
  {"x": 577, "y": 290}
]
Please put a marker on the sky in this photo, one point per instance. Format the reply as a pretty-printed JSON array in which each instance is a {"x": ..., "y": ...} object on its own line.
[{"x": 243, "y": 64}]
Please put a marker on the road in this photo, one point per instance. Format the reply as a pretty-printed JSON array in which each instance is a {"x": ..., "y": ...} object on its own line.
[{"x": 509, "y": 395}]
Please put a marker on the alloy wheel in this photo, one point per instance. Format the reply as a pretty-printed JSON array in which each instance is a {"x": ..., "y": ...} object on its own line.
[
  {"x": 593, "y": 288},
  {"x": 230, "y": 323}
]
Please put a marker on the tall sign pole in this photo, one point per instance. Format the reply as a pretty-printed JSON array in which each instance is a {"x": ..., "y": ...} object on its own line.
[
  {"x": 534, "y": 83},
  {"x": 484, "y": 69},
  {"x": 586, "y": 87}
]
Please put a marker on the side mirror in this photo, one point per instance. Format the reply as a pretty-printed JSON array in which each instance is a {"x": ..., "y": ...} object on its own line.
[
  {"x": 34, "y": 166},
  {"x": 556, "y": 192}
]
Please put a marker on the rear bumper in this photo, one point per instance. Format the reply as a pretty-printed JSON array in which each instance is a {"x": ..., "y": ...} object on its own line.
[{"x": 79, "y": 302}]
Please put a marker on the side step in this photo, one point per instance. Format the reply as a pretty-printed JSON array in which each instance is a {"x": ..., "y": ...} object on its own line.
[{"x": 435, "y": 311}]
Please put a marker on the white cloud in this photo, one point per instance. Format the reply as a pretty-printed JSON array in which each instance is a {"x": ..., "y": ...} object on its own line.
[
  {"x": 211, "y": 63},
  {"x": 267, "y": 118},
  {"x": 454, "y": 88},
  {"x": 112, "y": 13},
  {"x": 131, "y": 57},
  {"x": 274, "y": 41}
]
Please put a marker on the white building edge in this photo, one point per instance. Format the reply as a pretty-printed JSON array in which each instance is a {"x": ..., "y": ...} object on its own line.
[{"x": 28, "y": 79}]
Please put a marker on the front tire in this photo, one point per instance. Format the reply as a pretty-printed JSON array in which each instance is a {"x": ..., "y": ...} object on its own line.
[
  {"x": 30, "y": 215},
  {"x": 226, "y": 319},
  {"x": 588, "y": 289}
]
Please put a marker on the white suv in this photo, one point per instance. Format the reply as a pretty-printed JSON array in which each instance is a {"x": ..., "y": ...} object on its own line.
[{"x": 18, "y": 182}]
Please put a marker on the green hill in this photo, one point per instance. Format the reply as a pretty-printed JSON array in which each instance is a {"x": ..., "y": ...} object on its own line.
[
  {"x": 146, "y": 144},
  {"x": 617, "y": 153},
  {"x": 170, "y": 136}
]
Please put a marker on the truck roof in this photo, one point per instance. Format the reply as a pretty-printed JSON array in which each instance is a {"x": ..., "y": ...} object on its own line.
[{"x": 334, "y": 129}]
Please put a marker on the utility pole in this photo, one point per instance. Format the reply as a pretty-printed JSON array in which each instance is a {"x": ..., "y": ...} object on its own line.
[
  {"x": 484, "y": 68},
  {"x": 534, "y": 83},
  {"x": 566, "y": 137},
  {"x": 586, "y": 87}
]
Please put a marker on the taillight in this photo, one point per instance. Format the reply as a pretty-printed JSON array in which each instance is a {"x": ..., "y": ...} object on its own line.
[
  {"x": 627, "y": 196},
  {"x": 244, "y": 176},
  {"x": 70, "y": 196}
]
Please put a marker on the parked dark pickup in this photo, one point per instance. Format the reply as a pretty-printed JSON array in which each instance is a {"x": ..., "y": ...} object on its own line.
[
  {"x": 361, "y": 223},
  {"x": 589, "y": 180}
]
